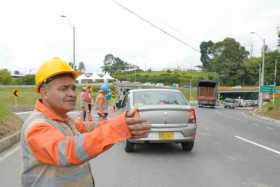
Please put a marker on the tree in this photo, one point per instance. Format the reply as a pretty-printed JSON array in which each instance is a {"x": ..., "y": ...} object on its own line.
[
  {"x": 82, "y": 67},
  {"x": 16, "y": 72},
  {"x": 226, "y": 58},
  {"x": 119, "y": 65},
  {"x": 115, "y": 64},
  {"x": 108, "y": 62},
  {"x": 109, "y": 59},
  {"x": 72, "y": 65},
  {"x": 25, "y": 80},
  {"x": 5, "y": 77},
  {"x": 270, "y": 58},
  {"x": 205, "y": 50},
  {"x": 250, "y": 71}
]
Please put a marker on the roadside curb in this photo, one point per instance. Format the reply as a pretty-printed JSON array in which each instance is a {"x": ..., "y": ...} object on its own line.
[
  {"x": 8, "y": 141},
  {"x": 264, "y": 118},
  {"x": 245, "y": 108}
]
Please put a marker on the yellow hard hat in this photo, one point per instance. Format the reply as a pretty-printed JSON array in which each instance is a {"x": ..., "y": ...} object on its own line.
[{"x": 51, "y": 68}]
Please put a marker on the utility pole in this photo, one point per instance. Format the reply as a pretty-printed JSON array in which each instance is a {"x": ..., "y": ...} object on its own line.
[
  {"x": 260, "y": 72},
  {"x": 74, "y": 39},
  {"x": 262, "y": 69},
  {"x": 262, "y": 77},
  {"x": 190, "y": 89},
  {"x": 275, "y": 72},
  {"x": 74, "y": 46},
  {"x": 275, "y": 81}
]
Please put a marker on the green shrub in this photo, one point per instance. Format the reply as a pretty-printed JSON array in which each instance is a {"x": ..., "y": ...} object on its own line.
[{"x": 270, "y": 108}]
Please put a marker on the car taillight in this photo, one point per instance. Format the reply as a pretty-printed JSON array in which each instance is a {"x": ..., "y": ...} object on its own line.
[{"x": 191, "y": 116}]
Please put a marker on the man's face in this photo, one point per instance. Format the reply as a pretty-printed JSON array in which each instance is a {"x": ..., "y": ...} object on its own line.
[{"x": 60, "y": 94}]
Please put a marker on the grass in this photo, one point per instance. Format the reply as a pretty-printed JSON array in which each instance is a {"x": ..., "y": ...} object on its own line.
[
  {"x": 186, "y": 92},
  {"x": 271, "y": 110},
  {"x": 9, "y": 122},
  {"x": 27, "y": 98}
]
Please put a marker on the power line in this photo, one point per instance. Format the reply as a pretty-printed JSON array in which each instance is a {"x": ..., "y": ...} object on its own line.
[{"x": 155, "y": 26}]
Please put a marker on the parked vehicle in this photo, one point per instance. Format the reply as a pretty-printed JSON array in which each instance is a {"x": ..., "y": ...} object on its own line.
[
  {"x": 173, "y": 120},
  {"x": 241, "y": 102},
  {"x": 207, "y": 93},
  {"x": 230, "y": 103},
  {"x": 251, "y": 103}
]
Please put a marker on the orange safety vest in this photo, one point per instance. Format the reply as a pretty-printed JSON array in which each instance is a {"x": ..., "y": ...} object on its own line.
[
  {"x": 55, "y": 153},
  {"x": 101, "y": 104}
]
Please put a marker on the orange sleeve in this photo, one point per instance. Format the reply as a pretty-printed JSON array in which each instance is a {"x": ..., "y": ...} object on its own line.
[
  {"x": 84, "y": 126},
  {"x": 80, "y": 126},
  {"x": 52, "y": 147},
  {"x": 104, "y": 136}
]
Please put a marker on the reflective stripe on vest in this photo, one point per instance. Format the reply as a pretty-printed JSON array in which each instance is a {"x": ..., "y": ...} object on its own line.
[{"x": 36, "y": 173}]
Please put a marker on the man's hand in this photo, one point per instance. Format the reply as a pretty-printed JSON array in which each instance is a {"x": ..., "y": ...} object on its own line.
[{"x": 138, "y": 128}]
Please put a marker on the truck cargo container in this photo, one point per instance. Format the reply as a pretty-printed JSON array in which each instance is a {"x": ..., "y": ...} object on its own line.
[{"x": 207, "y": 93}]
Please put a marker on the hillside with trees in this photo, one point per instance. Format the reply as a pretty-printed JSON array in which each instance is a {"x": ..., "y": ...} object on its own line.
[{"x": 234, "y": 66}]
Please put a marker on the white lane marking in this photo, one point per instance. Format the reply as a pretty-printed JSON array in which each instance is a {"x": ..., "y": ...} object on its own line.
[
  {"x": 9, "y": 153},
  {"x": 258, "y": 145},
  {"x": 19, "y": 113}
]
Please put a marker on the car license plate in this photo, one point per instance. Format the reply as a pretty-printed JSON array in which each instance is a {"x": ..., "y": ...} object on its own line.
[{"x": 166, "y": 135}]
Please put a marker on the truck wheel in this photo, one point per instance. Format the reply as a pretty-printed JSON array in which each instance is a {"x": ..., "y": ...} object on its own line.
[
  {"x": 187, "y": 146},
  {"x": 129, "y": 147}
]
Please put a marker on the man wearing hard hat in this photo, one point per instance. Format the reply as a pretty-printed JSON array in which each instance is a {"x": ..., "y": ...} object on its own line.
[{"x": 55, "y": 150}]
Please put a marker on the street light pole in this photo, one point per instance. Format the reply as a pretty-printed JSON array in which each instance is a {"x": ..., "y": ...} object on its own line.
[
  {"x": 263, "y": 61},
  {"x": 262, "y": 71},
  {"x": 275, "y": 77},
  {"x": 74, "y": 39},
  {"x": 74, "y": 46}
]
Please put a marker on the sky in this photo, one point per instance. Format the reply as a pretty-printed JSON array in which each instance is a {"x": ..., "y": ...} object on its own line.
[{"x": 32, "y": 31}]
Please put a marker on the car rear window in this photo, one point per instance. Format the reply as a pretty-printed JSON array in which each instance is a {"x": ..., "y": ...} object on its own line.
[{"x": 141, "y": 98}]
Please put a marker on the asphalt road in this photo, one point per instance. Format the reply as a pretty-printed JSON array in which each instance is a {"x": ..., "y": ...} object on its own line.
[{"x": 232, "y": 149}]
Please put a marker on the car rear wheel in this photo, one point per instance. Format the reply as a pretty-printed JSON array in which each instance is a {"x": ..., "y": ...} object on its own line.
[
  {"x": 129, "y": 147},
  {"x": 187, "y": 146}
]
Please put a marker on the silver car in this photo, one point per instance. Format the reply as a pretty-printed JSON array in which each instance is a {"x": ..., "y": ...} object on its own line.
[
  {"x": 230, "y": 103},
  {"x": 171, "y": 117}
]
